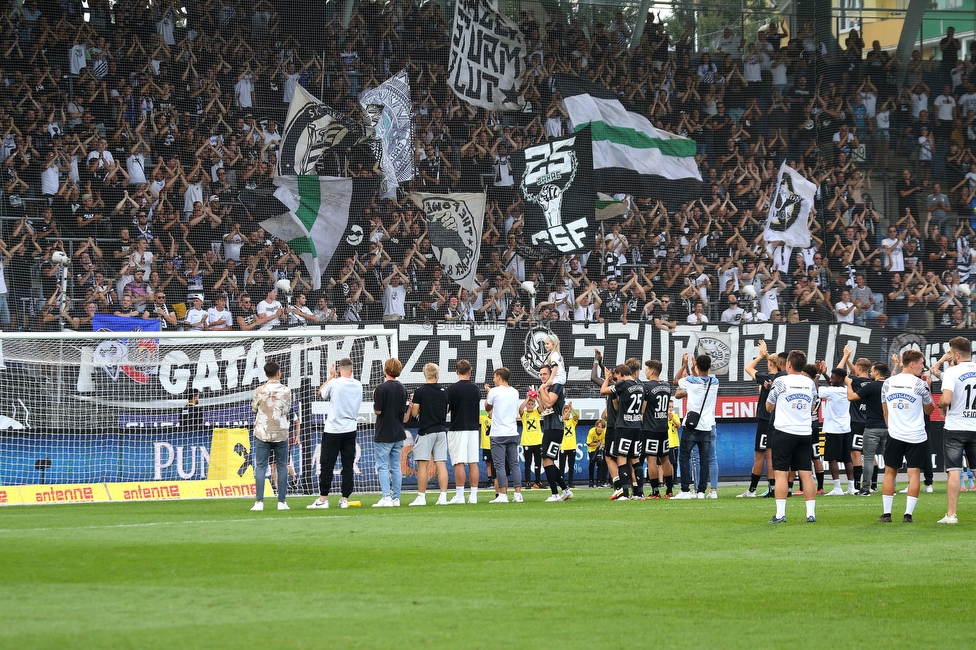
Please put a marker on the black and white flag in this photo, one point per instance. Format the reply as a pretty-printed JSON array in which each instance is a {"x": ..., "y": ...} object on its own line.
[
  {"x": 487, "y": 57},
  {"x": 387, "y": 108},
  {"x": 556, "y": 182},
  {"x": 311, "y": 129},
  {"x": 789, "y": 211},
  {"x": 454, "y": 224}
]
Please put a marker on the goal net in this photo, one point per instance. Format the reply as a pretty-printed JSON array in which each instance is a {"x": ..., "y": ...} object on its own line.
[{"x": 123, "y": 416}]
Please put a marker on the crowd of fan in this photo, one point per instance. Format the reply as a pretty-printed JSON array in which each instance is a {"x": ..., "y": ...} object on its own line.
[{"x": 128, "y": 131}]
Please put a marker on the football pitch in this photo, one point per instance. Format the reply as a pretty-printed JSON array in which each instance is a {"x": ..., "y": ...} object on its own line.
[{"x": 582, "y": 574}]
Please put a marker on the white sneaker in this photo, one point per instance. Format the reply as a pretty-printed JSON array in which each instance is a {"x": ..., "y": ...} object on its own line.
[
  {"x": 385, "y": 502},
  {"x": 836, "y": 492},
  {"x": 396, "y": 503},
  {"x": 315, "y": 505},
  {"x": 712, "y": 494},
  {"x": 929, "y": 489},
  {"x": 553, "y": 498},
  {"x": 851, "y": 491},
  {"x": 905, "y": 491},
  {"x": 748, "y": 494},
  {"x": 501, "y": 498},
  {"x": 441, "y": 500},
  {"x": 701, "y": 495},
  {"x": 949, "y": 519},
  {"x": 343, "y": 502},
  {"x": 458, "y": 500},
  {"x": 684, "y": 496},
  {"x": 472, "y": 499},
  {"x": 517, "y": 498},
  {"x": 283, "y": 506},
  {"x": 258, "y": 506},
  {"x": 566, "y": 495},
  {"x": 421, "y": 500}
]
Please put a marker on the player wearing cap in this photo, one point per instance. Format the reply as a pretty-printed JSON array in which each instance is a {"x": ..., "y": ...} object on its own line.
[
  {"x": 657, "y": 409},
  {"x": 905, "y": 400},
  {"x": 958, "y": 405},
  {"x": 791, "y": 400}
]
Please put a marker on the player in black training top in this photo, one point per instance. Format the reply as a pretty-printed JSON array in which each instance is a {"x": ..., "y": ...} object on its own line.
[
  {"x": 628, "y": 400},
  {"x": 762, "y": 452},
  {"x": 610, "y": 415},
  {"x": 657, "y": 409}
]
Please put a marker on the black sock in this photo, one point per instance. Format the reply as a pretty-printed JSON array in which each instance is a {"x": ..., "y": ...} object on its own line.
[
  {"x": 858, "y": 473},
  {"x": 616, "y": 481},
  {"x": 790, "y": 485},
  {"x": 639, "y": 490},
  {"x": 874, "y": 478},
  {"x": 669, "y": 483},
  {"x": 754, "y": 482},
  {"x": 820, "y": 477},
  {"x": 772, "y": 484},
  {"x": 623, "y": 473},
  {"x": 550, "y": 471},
  {"x": 655, "y": 485}
]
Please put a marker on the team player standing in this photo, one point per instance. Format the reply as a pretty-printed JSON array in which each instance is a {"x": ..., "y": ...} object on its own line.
[{"x": 638, "y": 414}]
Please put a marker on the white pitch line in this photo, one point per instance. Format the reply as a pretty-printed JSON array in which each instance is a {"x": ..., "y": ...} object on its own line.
[{"x": 165, "y": 523}]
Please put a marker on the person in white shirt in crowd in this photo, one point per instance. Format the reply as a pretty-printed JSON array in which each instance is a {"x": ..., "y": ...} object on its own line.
[
  {"x": 300, "y": 314},
  {"x": 791, "y": 401},
  {"x": 271, "y": 405},
  {"x": 502, "y": 406},
  {"x": 396, "y": 286},
  {"x": 734, "y": 314},
  {"x": 219, "y": 318},
  {"x": 345, "y": 396},
  {"x": 893, "y": 246},
  {"x": 906, "y": 399},
  {"x": 271, "y": 308},
  {"x": 844, "y": 308},
  {"x": 698, "y": 316},
  {"x": 196, "y": 316}
]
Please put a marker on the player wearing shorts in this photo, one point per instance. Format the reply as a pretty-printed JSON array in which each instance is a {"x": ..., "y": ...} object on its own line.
[
  {"x": 552, "y": 399},
  {"x": 429, "y": 405},
  {"x": 819, "y": 438},
  {"x": 628, "y": 399},
  {"x": 958, "y": 405},
  {"x": 762, "y": 454},
  {"x": 905, "y": 400},
  {"x": 836, "y": 425},
  {"x": 464, "y": 404},
  {"x": 657, "y": 409},
  {"x": 860, "y": 374},
  {"x": 791, "y": 400}
]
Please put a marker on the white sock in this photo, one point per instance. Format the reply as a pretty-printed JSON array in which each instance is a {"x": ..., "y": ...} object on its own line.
[
  {"x": 460, "y": 491},
  {"x": 837, "y": 484},
  {"x": 910, "y": 506},
  {"x": 474, "y": 491},
  {"x": 780, "y": 508},
  {"x": 811, "y": 508},
  {"x": 442, "y": 496},
  {"x": 887, "y": 501}
]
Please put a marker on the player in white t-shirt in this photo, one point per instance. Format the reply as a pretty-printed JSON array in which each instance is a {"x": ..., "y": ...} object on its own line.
[
  {"x": 905, "y": 400},
  {"x": 956, "y": 404},
  {"x": 836, "y": 409},
  {"x": 791, "y": 401},
  {"x": 502, "y": 406}
]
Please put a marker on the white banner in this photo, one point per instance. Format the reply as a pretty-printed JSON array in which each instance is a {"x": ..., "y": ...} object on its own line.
[
  {"x": 789, "y": 212},
  {"x": 454, "y": 225},
  {"x": 393, "y": 128},
  {"x": 310, "y": 128},
  {"x": 487, "y": 57},
  {"x": 717, "y": 345}
]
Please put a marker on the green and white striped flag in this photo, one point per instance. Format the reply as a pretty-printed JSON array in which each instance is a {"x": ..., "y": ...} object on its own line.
[
  {"x": 630, "y": 154},
  {"x": 318, "y": 212}
]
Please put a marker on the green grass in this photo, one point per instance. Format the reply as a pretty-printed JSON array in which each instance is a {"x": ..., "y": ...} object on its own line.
[{"x": 583, "y": 574}]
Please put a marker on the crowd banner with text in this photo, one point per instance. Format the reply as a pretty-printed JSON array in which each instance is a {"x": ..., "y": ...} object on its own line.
[{"x": 487, "y": 57}]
